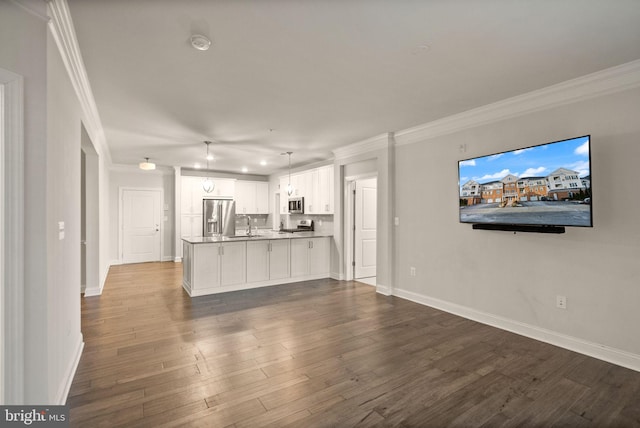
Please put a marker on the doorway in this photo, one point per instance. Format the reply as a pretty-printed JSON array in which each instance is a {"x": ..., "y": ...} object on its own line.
[
  {"x": 89, "y": 216},
  {"x": 140, "y": 220},
  {"x": 361, "y": 228}
]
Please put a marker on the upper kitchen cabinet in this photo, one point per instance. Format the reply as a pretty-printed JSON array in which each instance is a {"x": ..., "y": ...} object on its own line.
[
  {"x": 315, "y": 185},
  {"x": 191, "y": 196},
  {"x": 284, "y": 197},
  {"x": 223, "y": 188},
  {"x": 252, "y": 197},
  {"x": 325, "y": 191},
  {"x": 193, "y": 192}
]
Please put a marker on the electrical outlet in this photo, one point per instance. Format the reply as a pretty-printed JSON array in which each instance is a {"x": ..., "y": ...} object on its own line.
[
  {"x": 561, "y": 302},
  {"x": 412, "y": 271}
]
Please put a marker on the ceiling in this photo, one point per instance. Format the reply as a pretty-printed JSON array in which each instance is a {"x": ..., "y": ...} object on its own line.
[{"x": 309, "y": 76}]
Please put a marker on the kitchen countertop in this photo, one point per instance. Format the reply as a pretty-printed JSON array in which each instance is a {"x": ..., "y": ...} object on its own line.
[{"x": 261, "y": 234}]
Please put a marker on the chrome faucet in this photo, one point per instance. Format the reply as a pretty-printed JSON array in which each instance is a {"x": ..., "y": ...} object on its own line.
[{"x": 248, "y": 224}]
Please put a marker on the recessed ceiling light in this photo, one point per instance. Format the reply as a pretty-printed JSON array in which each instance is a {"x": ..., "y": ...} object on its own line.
[
  {"x": 420, "y": 49},
  {"x": 245, "y": 169},
  {"x": 200, "y": 42},
  {"x": 263, "y": 162},
  {"x": 196, "y": 165},
  {"x": 209, "y": 157}
]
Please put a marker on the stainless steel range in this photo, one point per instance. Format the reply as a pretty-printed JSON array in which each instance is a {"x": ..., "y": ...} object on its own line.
[{"x": 301, "y": 226}]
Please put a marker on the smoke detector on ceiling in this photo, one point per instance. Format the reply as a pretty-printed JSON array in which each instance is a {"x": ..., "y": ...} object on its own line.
[{"x": 200, "y": 42}]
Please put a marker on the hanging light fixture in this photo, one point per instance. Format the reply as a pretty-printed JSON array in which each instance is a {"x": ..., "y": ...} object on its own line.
[
  {"x": 207, "y": 183},
  {"x": 289, "y": 186},
  {"x": 146, "y": 165}
]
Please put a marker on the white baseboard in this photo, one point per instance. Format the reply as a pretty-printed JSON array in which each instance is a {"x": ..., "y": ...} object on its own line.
[
  {"x": 167, "y": 258},
  {"x": 63, "y": 391},
  {"x": 177, "y": 259},
  {"x": 337, "y": 276},
  {"x": 115, "y": 262},
  {"x": 384, "y": 290},
  {"x": 90, "y": 292},
  {"x": 595, "y": 350},
  {"x": 97, "y": 291}
]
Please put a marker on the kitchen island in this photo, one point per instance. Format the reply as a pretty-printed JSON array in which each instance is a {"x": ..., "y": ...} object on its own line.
[{"x": 219, "y": 264}]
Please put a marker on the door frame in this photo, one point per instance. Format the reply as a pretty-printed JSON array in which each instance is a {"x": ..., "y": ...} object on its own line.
[
  {"x": 350, "y": 221},
  {"x": 121, "y": 191},
  {"x": 90, "y": 214}
]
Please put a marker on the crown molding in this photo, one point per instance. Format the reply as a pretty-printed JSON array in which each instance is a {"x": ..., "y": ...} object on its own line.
[
  {"x": 35, "y": 8},
  {"x": 378, "y": 142},
  {"x": 63, "y": 32},
  {"x": 609, "y": 81}
]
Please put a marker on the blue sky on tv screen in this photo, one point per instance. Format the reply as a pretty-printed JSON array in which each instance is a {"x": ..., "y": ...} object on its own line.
[{"x": 538, "y": 161}]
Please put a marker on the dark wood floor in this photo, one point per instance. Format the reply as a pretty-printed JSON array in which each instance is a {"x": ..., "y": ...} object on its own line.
[{"x": 321, "y": 354}]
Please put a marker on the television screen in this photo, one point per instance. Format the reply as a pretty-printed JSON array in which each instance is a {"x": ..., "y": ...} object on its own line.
[{"x": 544, "y": 185}]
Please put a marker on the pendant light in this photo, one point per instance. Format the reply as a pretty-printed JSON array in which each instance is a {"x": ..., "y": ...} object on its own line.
[
  {"x": 146, "y": 165},
  {"x": 207, "y": 183},
  {"x": 289, "y": 186}
]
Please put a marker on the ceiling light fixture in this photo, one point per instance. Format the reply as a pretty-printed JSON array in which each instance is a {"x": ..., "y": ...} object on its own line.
[
  {"x": 289, "y": 186},
  {"x": 207, "y": 183},
  {"x": 200, "y": 42},
  {"x": 146, "y": 165}
]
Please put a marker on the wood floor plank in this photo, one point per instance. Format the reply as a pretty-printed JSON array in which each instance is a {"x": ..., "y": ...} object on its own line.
[{"x": 318, "y": 354}]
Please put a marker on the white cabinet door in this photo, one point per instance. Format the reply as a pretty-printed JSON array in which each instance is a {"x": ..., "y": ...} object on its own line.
[
  {"x": 252, "y": 197},
  {"x": 279, "y": 259},
  {"x": 311, "y": 205},
  {"x": 205, "y": 266},
  {"x": 318, "y": 256},
  {"x": 245, "y": 197},
  {"x": 262, "y": 197},
  {"x": 191, "y": 226},
  {"x": 325, "y": 190},
  {"x": 284, "y": 197},
  {"x": 185, "y": 226},
  {"x": 258, "y": 261},
  {"x": 298, "y": 183},
  {"x": 224, "y": 187},
  {"x": 309, "y": 256},
  {"x": 299, "y": 257},
  {"x": 233, "y": 258},
  {"x": 191, "y": 195},
  {"x": 186, "y": 195}
]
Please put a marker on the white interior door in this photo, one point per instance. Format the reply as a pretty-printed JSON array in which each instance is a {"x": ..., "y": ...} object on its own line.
[
  {"x": 365, "y": 228},
  {"x": 141, "y": 220}
]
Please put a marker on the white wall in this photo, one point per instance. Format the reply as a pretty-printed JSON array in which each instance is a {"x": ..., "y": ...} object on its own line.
[
  {"x": 28, "y": 34},
  {"x": 62, "y": 187},
  {"x": 132, "y": 177},
  {"x": 511, "y": 279}
]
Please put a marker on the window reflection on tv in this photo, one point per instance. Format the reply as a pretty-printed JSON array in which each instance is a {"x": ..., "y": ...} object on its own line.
[{"x": 544, "y": 185}]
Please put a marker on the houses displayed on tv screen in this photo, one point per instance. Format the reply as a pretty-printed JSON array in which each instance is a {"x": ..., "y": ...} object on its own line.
[
  {"x": 558, "y": 171},
  {"x": 562, "y": 184}
]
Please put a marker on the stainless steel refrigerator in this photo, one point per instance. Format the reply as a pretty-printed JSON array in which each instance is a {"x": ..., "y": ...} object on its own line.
[{"x": 219, "y": 217}]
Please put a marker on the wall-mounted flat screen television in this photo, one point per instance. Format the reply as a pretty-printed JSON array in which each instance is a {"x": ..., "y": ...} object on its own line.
[{"x": 543, "y": 185}]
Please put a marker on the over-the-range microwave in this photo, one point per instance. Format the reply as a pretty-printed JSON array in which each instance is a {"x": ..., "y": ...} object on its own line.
[{"x": 296, "y": 205}]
